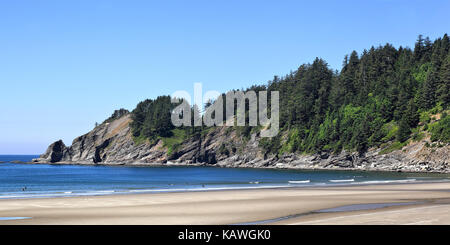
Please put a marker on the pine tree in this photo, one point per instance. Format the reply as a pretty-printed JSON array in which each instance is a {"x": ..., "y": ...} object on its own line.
[
  {"x": 419, "y": 48},
  {"x": 411, "y": 116},
  {"x": 429, "y": 89},
  {"x": 443, "y": 90},
  {"x": 403, "y": 130}
]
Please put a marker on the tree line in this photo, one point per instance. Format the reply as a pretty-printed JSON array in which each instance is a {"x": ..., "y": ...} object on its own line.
[{"x": 384, "y": 94}]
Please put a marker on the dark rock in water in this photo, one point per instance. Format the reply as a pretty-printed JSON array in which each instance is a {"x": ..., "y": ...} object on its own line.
[
  {"x": 56, "y": 152},
  {"x": 17, "y": 161},
  {"x": 2, "y": 162},
  {"x": 57, "y": 149}
]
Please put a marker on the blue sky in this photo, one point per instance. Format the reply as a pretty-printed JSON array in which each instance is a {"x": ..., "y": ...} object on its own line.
[{"x": 65, "y": 65}]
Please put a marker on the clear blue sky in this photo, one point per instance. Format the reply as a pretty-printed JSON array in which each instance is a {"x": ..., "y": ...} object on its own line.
[{"x": 65, "y": 65}]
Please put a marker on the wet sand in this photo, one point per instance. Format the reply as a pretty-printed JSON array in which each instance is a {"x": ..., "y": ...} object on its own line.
[{"x": 422, "y": 203}]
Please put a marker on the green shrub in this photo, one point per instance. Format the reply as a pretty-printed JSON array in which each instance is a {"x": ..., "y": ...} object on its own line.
[{"x": 440, "y": 131}]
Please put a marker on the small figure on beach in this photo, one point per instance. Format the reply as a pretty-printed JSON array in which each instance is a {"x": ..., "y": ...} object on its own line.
[{"x": 24, "y": 188}]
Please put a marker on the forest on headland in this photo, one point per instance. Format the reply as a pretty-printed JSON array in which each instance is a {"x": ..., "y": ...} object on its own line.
[{"x": 382, "y": 95}]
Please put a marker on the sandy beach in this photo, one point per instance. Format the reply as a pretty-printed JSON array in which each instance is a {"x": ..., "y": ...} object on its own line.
[{"x": 421, "y": 203}]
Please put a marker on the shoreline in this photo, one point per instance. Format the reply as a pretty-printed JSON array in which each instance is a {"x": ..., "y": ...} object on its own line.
[
  {"x": 219, "y": 165},
  {"x": 431, "y": 204},
  {"x": 99, "y": 193}
]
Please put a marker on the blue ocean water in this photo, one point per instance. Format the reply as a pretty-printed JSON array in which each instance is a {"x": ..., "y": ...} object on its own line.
[{"x": 44, "y": 180}]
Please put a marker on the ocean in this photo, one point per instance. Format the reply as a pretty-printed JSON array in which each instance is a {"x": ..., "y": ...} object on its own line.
[{"x": 44, "y": 180}]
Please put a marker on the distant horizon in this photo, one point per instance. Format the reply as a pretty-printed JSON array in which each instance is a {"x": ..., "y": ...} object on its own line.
[
  {"x": 20, "y": 154},
  {"x": 67, "y": 65}
]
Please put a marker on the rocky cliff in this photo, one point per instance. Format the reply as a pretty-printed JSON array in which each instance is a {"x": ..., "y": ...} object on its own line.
[{"x": 111, "y": 143}]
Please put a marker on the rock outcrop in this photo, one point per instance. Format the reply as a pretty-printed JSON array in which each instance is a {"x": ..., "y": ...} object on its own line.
[
  {"x": 111, "y": 143},
  {"x": 56, "y": 152}
]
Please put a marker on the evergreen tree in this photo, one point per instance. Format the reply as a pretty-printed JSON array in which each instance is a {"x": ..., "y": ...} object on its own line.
[
  {"x": 419, "y": 49},
  {"x": 411, "y": 116},
  {"x": 403, "y": 130},
  {"x": 443, "y": 90},
  {"x": 429, "y": 90}
]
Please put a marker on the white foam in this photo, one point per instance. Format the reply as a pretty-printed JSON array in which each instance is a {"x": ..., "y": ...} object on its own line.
[
  {"x": 388, "y": 181},
  {"x": 106, "y": 191},
  {"x": 341, "y": 180},
  {"x": 299, "y": 181}
]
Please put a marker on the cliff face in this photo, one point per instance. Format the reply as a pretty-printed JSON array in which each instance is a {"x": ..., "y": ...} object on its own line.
[{"x": 111, "y": 143}]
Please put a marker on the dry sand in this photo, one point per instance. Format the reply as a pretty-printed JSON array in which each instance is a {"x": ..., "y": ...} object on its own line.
[{"x": 431, "y": 206}]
